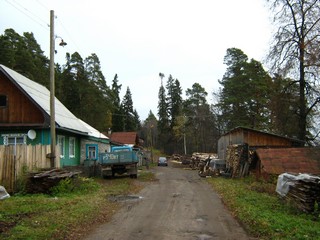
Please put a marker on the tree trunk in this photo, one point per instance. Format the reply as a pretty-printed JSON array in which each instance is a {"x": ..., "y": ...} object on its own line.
[{"x": 302, "y": 98}]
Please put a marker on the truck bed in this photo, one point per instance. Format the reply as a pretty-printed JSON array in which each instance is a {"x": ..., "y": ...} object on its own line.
[{"x": 111, "y": 158}]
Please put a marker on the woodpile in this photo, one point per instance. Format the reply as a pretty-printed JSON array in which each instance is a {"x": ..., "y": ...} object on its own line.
[
  {"x": 198, "y": 158},
  {"x": 305, "y": 193},
  {"x": 186, "y": 160},
  {"x": 183, "y": 159},
  {"x": 176, "y": 157},
  {"x": 212, "y": 167},
  {"x": 238, "y": 160},
  {"x": 42, "y": 182}
]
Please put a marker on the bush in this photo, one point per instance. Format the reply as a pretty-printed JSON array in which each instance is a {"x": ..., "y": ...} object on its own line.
[{"x": 75, "y": 185}]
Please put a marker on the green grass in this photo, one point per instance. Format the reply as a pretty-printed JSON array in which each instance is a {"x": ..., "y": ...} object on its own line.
[
  {"x": 75, "y": 206},
  {"x": 262, "y": 212},
  {"x": 147, "y": 176},
  {"x": 72, "y": 209}
]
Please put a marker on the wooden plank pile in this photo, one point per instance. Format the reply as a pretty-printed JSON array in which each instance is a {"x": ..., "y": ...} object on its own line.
[
  {"x": 305, "y": 193},
  {"x": 42, "y": 182}
]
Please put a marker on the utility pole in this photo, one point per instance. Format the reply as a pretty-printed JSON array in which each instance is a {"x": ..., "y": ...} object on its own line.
[
  {"x": 184, "y": 135},
  {"x": 52, "y": 93},
  {"x": 184, "y": 144}
]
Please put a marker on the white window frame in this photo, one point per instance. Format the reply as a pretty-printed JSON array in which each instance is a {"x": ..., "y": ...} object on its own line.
[
  {"x": 92, "y": 151},
  {"x": 72, "y": 147},
  {"x": 7, "y": 139},
  {"x": 61, "y": 143}
]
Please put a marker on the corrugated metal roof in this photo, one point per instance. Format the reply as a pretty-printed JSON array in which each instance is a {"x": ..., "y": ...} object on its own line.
[
  {"x": 41, "y": 95},
  {"x": 128, "y": 138},
  {"x": 94, "y": 132},
  {"x": 292, "y": 160},
  {"x": 262, "y": 132}
]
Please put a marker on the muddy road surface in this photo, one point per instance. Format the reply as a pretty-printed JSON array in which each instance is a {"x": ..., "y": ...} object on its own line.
[{"x": 181, "y": 205}]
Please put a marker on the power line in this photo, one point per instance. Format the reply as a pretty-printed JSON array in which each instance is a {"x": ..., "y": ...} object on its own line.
[
  {"x": 28, "y": 13},
  {"x": 42, "y": 5},
  {"x": 60, "y": 22},
  {"x": 38, "y": 20}
]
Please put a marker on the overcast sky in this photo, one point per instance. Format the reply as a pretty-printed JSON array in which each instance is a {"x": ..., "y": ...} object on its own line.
[{"x": 137, "y": 39}]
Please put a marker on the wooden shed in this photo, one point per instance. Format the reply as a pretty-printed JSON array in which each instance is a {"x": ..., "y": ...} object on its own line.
[{"x": 254, "y": 139}]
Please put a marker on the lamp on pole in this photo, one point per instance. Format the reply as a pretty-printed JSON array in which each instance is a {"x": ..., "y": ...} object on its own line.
[{"x": 52, "y": 90}]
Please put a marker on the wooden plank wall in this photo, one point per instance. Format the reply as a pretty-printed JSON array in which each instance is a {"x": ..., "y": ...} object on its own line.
[{"x": 27, "y": 158}]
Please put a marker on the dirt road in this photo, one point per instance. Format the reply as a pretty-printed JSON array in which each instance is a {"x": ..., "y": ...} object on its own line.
[{"x": 180, "y": 206}]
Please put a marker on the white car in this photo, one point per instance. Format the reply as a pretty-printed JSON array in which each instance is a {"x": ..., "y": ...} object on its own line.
[{"x": 162, "y": 161}]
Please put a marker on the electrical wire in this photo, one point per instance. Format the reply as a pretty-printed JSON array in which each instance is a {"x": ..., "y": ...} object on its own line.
[
  {"x": 62, "y": 25},
  {"x": 65, "y": 29},
  {"x": 35, "y": 18},
  {"x": 42, "y": 5},
  {"x": 28, "y": 13}
]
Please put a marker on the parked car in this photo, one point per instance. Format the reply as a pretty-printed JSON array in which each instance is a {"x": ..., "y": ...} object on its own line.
[{"x": 162, "y": 161}]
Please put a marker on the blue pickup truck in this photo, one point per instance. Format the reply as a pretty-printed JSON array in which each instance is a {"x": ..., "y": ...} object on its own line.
[{"x": 121, "y": 160}]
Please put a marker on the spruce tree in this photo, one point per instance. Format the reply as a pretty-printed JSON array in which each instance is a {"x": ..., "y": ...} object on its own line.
[
  {"x": 117, "y": 113},
  {"x": 130, "y": 123},
  {"x": 174, "y": 101},
  {"x": 163, "y": 122}
]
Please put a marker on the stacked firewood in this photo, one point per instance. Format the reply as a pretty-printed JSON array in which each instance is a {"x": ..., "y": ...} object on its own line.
[
  {"x": 305, "y": 193},
  {"x": 197, "y": 158},
  {"x": 238, "y": 160},
  {"x": 176, "y": 157},
  {"x": 42, "y": 182}
]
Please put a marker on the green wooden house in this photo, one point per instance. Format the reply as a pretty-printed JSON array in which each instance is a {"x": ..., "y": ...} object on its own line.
[{"x": 25, "y": 119}]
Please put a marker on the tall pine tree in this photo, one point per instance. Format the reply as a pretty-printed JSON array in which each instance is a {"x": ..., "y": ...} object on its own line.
[{"x": 245, "y": 93}]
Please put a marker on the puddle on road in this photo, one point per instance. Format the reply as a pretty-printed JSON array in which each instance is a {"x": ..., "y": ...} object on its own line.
[
  {"x": 202, "y": 218},
  {"x": 124, "y": 198},
  {"x": 176, "y": 195},
  {"x": 204, "y": 237}
]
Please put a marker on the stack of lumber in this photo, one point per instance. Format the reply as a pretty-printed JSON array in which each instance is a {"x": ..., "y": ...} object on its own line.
[
  {"x": 42, "y": 182},
  {"x": 305, "y": 193}
]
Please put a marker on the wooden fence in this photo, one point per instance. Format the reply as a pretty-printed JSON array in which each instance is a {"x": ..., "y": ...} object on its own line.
[{"x": 15, "y": 160}]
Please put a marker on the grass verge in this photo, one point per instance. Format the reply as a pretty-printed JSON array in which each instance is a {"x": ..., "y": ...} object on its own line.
[
  {"x": 71, "y": 210},
  {"x": 262, "y": 213}
]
